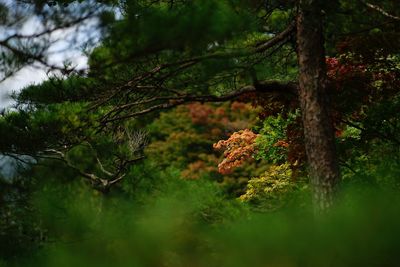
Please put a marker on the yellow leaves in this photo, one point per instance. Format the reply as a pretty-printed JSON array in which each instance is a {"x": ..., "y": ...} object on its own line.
[{"x": 270, "y": 189}]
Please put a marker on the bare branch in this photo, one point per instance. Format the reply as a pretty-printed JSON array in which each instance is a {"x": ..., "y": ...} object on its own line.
[
  {"x": 279, "y": 38},
  {"x": 381, "y": 10},
  {"x": 99, "y": 161},
  {"x": 144, "y": 111},
  {"x": 136, "y": 140},
  {"x": 99, "y": 183},
  {"x": 51, "y": 30},
  {"x": 181, "y": 65},
  {"x": 32, "y": 57},
  {"x": 173, "y": 101}
]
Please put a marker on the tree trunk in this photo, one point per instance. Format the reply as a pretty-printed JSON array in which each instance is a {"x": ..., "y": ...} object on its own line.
[{"x": 318, "y": 129}]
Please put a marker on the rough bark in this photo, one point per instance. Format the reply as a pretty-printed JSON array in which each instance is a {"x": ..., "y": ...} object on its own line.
[{"x": 314, "y": 103}]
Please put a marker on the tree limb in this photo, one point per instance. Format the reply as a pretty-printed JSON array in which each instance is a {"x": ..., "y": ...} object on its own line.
[
  {"x": 173, "y": 101},
  {"x": 135, "y": 82},
  {"x": 99, "y": 183},
  {"x": 380, "y": 10}
]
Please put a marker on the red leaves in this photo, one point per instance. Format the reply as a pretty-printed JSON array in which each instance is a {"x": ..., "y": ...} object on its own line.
[
  {"x": 239, "y": 106},
  {"x": 199, "y": 113},
  {"x": 206, "y": 114},
  {"x": 339, "y": 71}
]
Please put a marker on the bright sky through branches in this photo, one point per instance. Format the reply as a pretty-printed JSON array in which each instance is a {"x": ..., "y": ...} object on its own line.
[{"x": 67, "y": 47}]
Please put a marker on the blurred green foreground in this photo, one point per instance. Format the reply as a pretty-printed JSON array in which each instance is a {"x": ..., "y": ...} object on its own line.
[{"x": 196, "y": 226}]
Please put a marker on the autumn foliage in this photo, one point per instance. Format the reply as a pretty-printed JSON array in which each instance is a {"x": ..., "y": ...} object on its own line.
[{"x": 238, "y": 148}]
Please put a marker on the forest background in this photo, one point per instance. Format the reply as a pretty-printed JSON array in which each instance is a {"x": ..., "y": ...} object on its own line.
[{"x": 203, "y": 133}]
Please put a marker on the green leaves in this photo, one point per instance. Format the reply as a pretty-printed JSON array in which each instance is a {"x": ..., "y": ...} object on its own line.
[{"x": 271, "y": 142}]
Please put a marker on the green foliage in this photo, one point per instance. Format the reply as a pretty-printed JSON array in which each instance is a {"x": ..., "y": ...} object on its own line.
[
  {"x": 21, "y": 232},
  {"x": 32, "y": 131},
  {"x": 168, "y": 231},
  {"x": 57, "y": 90},
  {"x": 183, "y": 138},
  {"x": 182, "y": 25},
  {"x": 379, "y": 168},
  {"x": 271, "y": 143},
  {"x": 174, "y": 208},
  {"x": 278, "y": 18}
]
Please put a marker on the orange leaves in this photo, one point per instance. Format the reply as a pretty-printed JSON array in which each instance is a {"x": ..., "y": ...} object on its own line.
[{"x": 238, "y": 148}]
